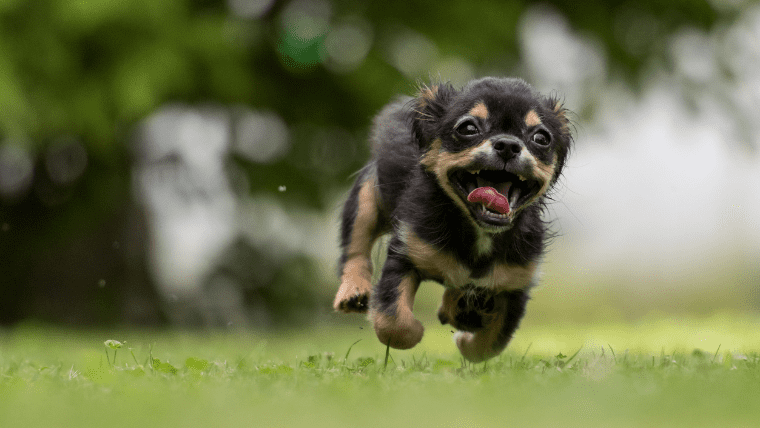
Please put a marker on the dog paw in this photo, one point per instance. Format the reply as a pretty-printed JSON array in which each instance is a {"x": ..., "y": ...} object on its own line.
[
  {"x": 471, "y": 348},
  {"x": 356, "y": 303},
  {"x": 399, "y": 332},
  {"x": 352, "y": 297}
]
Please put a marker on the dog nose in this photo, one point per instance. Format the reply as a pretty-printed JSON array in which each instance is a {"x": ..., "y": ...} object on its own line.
[{"x": 507, "y": 147}]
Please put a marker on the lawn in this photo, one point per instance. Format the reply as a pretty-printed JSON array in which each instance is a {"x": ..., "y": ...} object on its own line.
[{"x": 656, "y": 372}]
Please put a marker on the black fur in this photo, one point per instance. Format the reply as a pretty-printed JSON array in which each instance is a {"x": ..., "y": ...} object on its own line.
[{"x": 424, "y": 164}]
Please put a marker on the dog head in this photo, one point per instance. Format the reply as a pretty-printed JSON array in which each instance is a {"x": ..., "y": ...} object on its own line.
[{"x": 495, "y": 147}]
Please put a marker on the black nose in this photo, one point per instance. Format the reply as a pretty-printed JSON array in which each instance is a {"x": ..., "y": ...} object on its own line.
[{"x": 507, "y": 147}]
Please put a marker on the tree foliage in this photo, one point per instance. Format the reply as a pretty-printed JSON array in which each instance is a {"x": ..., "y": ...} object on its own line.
[{"x": 90, "y": 70}]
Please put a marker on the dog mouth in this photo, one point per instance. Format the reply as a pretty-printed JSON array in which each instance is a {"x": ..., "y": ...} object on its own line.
[{"x": 493, "y": 196}]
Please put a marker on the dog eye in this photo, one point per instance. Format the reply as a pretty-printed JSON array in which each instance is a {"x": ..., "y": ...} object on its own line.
[
  {"x": 541, "y": 138},
  {"x": 467, "y": 129}
]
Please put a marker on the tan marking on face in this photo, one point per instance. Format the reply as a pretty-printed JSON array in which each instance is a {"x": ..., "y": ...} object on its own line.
[
  {"x": 356, "y": 278},
  {"x": 543, "y": 172},
  {"x": 479, "y": 110},
  {"x": 400, "y": 330},
  {"x": 532, "y": 119},
  {"x": 430, "y": 158},
  {"x": 441, "y": 162}
]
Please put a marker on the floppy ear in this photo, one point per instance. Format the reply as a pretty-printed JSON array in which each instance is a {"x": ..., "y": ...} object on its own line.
[{"x": 428, "y": 108}]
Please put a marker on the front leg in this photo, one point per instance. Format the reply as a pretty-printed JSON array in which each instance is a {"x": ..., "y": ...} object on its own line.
[
  {"x": 496, "y": 322},
  {"x": 361, "y": 226},
  {"x": 393, "y": 299}
]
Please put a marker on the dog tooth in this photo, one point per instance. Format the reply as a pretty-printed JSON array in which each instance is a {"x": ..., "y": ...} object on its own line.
[{"x": 515, "y": 197}]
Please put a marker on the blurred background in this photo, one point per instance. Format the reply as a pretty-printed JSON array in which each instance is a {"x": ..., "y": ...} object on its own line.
[{"x": 184, "y": 162}]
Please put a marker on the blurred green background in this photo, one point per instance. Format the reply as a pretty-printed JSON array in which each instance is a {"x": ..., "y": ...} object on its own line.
[{"x": 183, "y": 162}]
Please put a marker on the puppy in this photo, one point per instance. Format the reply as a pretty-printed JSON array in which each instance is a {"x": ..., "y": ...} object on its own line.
[{"x": 459, "y": 179}]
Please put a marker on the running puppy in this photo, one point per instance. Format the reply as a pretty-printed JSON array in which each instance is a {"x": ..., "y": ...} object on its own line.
[{"x": 458, "y": 179}]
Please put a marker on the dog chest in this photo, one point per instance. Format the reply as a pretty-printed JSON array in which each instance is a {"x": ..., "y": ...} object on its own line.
[{"x": 444, "y": 267}]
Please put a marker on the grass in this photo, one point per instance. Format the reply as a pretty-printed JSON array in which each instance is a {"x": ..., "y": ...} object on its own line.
[{"x": 656, "y": 373}]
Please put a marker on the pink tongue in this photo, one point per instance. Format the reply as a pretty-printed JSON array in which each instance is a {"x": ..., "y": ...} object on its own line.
[{"x": 489, "y": 197}]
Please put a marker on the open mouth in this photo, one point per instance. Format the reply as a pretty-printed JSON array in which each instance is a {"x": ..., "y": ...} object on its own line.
[{"x": 494, "y": 195}]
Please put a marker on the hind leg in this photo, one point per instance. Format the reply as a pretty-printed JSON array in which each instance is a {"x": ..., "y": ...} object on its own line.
[
  {"x": 486, "y": 328},
  {"x": 468, "y": 309},
  {"x": 360, "y": 228}
]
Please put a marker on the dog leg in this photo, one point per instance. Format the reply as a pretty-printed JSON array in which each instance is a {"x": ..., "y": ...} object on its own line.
[
  {"x": 493, "y": 338},
  {"x": 361, "y": 226},
  {"x": 393, "y": 300},
  {"x": 468, "y": 309}
]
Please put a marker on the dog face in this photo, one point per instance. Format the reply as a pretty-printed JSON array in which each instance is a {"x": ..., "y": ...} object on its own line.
[{"x": 495, "y": 147}]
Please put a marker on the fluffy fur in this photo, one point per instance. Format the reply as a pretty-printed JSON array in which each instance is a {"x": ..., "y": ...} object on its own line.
[{"x": 459, "y": 179}]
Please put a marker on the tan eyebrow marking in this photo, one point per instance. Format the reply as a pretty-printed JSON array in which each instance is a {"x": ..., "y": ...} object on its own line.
[
  {"x": 479, "y": 110},
  {"x": 532, "y": 119}
]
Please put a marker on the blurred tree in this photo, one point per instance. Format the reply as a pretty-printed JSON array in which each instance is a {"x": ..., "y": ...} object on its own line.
[{"x": 79, "y": 74}]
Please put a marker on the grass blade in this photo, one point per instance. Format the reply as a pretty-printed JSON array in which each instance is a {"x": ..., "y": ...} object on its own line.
[
  {"x": 387, "y": 354},
  {"x": 345, "y": 359},
  {"x": 526, "y": 352},
  {"x": 573, "y": 356},
  {"x": 716, "y": 353}
]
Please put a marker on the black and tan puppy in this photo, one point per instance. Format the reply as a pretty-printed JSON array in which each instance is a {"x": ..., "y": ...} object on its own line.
[{"x": 459, "y": 179}]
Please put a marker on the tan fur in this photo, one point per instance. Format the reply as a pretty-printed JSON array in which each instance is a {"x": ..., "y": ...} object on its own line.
[
  {"x": 427, "y": 93},
  {"x": 562, "y": 116},
  {"x": 440, "y": 162},
  {"x": 532, "y": 119},
  {"x": 448, "y": 309},
  {"x": 509, "y": 277},
  {"x": 438, "y": 264},
  {"x": 400, "y": 330},
  {"x": 355, "y": 281},
  {"x": 543, "y": 172},
  {"x": 356, "y": 278},
  {"x": 477, "y": 347},
  {"x": 480, "y": 110}
]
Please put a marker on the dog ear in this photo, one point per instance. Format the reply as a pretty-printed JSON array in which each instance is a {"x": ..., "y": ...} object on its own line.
[
  {"x": 557, "y": 107},
  {"x": 559, "y": 117},
  {"x": 429, "y": 107}
]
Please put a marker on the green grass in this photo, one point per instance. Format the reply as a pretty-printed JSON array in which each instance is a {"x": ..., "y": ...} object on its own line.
[{"x": 685, "y": 372}]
